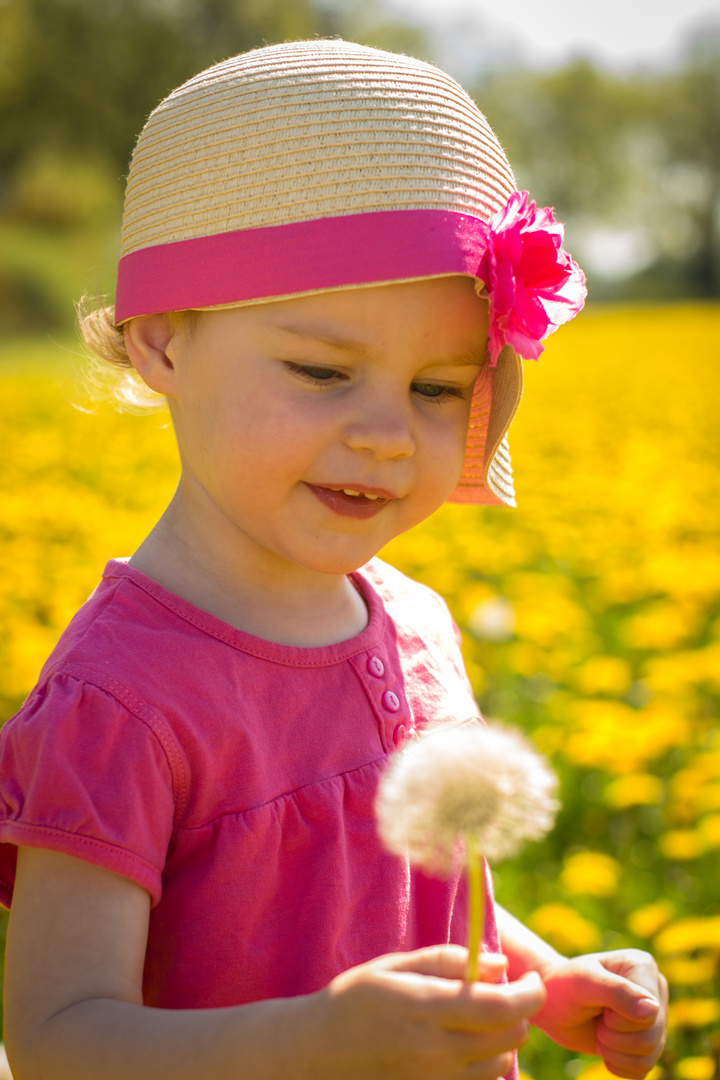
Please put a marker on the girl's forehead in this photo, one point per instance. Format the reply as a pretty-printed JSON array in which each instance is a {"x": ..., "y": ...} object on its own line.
[
  {"x": 453, "y": 292},
  {"x": 438, "y": 309}
]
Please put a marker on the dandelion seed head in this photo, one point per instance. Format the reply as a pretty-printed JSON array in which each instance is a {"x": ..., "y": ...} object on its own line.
[{"x": 462, "y": 778}]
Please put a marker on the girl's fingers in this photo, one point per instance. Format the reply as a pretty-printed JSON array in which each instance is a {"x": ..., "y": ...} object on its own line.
[
  {"x": 482, "y": 1007},
  {"x": 630, "y": 1054},
  {"x": 630, "y": 1042},
  {"x": 449, "y": 1002},
  {"x": 479, "y": 1046},
  {"x": 628, "y": 1065},
  {"x": 489, "y": 1070},
  {"x": 446, "y": 962}
]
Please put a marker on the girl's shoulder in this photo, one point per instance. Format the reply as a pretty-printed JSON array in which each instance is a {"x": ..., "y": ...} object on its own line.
[
  {"x": 403, "y": 598},
  {"x": 115, "y": 624}
]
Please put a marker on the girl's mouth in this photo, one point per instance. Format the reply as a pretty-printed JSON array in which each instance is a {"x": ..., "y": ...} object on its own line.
[{"x": 350, "y": 502}]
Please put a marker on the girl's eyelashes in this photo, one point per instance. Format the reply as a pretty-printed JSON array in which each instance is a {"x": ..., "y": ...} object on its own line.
[
  {"x": 429, "y": 391},
  {"x": 440, "y": 391},
  {"x": 313, "y": 372}
]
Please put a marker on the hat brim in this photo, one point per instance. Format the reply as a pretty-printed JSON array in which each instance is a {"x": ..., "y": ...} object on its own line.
[{"x": 487, "y": 479}]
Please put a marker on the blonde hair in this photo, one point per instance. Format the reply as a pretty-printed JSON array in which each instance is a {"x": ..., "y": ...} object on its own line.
[{"x": 110, "y": 374}]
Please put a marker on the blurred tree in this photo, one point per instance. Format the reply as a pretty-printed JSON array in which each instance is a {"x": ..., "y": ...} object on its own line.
[
  {"x": 83, "y": 75},
  {"x": 638, "y": 154},
  {"x": 564, "y": 132},
  {"x": 77, "y": 81},
  {"x": 690, "y": 113}
]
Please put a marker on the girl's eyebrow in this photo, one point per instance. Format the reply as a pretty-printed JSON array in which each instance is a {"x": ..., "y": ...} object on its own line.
[
  {"x": 471, "y": 358},
  {"x": 319, "y": 333}
]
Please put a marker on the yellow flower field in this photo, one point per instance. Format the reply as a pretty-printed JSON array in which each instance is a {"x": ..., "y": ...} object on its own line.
[{"x": 590, "y": 617}]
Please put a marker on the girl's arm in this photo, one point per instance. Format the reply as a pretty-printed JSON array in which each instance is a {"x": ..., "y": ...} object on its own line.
[
  {"x": 75, "y": 954},
  {"x": 612, "y": 1004}
]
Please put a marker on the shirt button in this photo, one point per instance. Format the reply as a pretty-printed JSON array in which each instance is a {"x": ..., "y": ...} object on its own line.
[
  {"x": 391, "y": 701},
  {"x": 376, "y": 667},
  {"x": 400, "y": 735}
]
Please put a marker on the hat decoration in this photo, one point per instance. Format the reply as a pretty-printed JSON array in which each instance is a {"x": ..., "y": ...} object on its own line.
[{"x": 532, "y": 284}]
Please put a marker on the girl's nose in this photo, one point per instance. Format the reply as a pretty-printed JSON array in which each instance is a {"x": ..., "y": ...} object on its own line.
[{"x": 383, "y": 428}]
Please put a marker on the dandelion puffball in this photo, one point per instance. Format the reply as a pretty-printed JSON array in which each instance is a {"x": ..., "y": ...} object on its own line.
[{"x": 465, "y": 779}]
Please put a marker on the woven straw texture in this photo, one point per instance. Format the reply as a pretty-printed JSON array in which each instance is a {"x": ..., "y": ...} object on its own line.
[
  {"x": 307, "y": 130},
  {"x": 323, "y": 129}
]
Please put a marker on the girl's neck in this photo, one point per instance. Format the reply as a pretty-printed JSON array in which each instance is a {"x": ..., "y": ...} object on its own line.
[{"x": 251, "y": 590}]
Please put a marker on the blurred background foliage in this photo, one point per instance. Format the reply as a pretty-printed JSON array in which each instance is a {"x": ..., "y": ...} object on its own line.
[
  {"x": 630, "y": 161},
  {"x": 591, "y": 616}
]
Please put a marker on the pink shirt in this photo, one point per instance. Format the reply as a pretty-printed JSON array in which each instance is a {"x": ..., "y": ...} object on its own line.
[{"x": 234, "y": 779}]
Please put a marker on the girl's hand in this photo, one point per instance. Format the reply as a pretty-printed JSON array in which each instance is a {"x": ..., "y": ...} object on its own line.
[
  {"x": 613, "y": 1004},
  {"x": 409, "y": 1015},
  {"x": 74, "y": 1011}
]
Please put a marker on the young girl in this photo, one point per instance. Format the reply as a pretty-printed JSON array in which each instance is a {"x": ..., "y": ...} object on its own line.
[{"x": 328, "y": 273}]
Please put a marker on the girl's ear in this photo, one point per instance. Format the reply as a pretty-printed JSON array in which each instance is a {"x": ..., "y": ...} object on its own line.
[{"x": 147, "y": 339}]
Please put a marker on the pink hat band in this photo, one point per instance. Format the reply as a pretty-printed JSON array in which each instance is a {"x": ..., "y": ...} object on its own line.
[{"x": 297, "y": 258}]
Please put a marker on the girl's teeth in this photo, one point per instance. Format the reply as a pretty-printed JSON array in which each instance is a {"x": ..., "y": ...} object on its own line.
[{"x": 346, "y": 491}]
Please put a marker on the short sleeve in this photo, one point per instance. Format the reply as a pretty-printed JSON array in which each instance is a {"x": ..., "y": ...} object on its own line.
[{"x": 82, "y": 774}]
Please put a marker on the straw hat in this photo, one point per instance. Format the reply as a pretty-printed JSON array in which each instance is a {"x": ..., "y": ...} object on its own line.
[{"x": 320, "y": 165}]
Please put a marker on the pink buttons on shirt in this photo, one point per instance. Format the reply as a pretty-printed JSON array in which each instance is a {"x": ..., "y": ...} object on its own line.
[
  {"x": 400, "y": 735},
  {"x": 376, "y": 667},
  {"x": 390, "y": 701}
]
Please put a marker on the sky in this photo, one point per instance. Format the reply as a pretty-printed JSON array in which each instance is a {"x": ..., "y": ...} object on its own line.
[{"x": 615, "y": 33}]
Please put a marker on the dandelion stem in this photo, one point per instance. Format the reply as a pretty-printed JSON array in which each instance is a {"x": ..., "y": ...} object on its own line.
[{"x": 476, "y": 906}]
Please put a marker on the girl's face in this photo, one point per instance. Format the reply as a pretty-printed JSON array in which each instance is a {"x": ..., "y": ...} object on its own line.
[{"x": 319, "y": 428}]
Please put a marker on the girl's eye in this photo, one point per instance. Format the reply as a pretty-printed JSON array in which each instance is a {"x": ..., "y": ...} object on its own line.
[
  {"x": 438, "y": 391},
  {"x": 312, "y": 372}
]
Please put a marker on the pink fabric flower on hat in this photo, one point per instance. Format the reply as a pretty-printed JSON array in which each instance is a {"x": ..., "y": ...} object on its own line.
[{"x": 531, "y": 282}]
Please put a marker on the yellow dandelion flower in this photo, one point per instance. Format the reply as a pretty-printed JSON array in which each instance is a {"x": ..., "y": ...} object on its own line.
[
  {"x": 647, "y": 920},
  {"x": 708, "y": 797},
  {"x": 672, "y": 675},
  {"x": 592, "y": 873},
  {"x": 635, "y": 789},
  {"x": 30, "y": 645},
  {"x": 695, "y": 790},
  {"x": 603, "y": 675},
  {"x": 695, "y": 1068},
  {"x": 682, "y": 844},
  {"x": 525, "y": 658},
  {"x": 709, "y": 830},
  {"x": 597, "y": 1071},
  {"x": 707, "y": 764},
  {"x": 709, "y": 660},
  {"x": 693, "y": 1013},
  {"x": 565, "y": 928},
  {"x": 680, "y": 671},
  {"x": 615, "y": 737},
  {"x": 662, "y": 625},
  {"x": 684, "y": 971},
  {"x": 549, "y": 738},
  {"x": 686, "y": 935}
]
